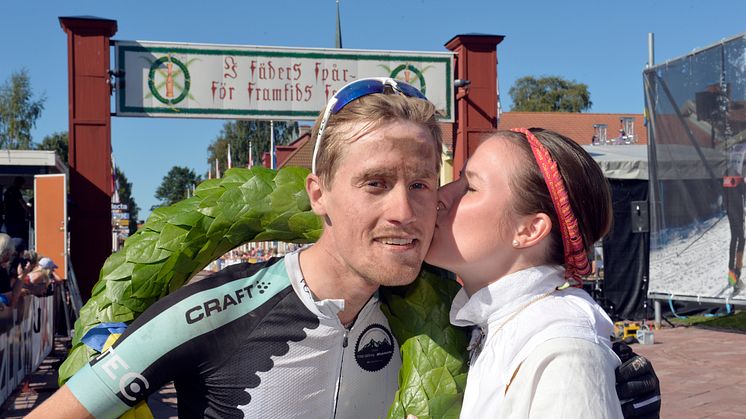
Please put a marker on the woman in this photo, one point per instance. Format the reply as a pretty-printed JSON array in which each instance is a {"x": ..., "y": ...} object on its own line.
[{"x": 541, "y": 348}]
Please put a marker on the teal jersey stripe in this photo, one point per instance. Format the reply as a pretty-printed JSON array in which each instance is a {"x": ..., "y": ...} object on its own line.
[
  {"x": 97, "y": 399},
  {"x": 120, "y": 368}
]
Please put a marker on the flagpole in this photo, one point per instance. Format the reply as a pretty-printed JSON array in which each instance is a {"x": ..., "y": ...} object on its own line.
[
  {"x": 338, "y": 37},
  {"x": 272, "y": 145},
  {"x": 229, "y": 155},
  {"x": 251, "y": 155}
]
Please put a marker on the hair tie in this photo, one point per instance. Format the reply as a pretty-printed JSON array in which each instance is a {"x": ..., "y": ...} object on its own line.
[{"x": 576, "y": 258}]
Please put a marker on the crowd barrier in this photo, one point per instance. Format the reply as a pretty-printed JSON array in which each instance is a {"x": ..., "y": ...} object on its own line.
[{"x": 26, "y": 338}]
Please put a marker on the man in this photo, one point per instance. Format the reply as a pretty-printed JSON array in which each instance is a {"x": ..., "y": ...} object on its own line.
[{"x": 302, "y": 336}]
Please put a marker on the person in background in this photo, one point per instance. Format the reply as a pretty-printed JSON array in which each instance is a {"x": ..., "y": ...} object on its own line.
[
  {"x": 17, "y": 212},
  {"x": 27, "y": 262},
  {"x": 7, "y": 253}
]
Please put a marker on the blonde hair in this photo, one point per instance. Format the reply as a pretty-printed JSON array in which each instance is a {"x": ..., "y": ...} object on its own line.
[
  {"x": 7, "y": 248},
  {"x": 370, "y": 112}
]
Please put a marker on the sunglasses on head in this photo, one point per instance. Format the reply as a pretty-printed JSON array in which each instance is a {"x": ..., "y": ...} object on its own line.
[{"x": 355, "y": 90}]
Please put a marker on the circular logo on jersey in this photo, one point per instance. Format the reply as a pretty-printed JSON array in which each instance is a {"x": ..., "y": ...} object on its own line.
[
  {"x": 133, "y": 386},
  {"x": 374, "y": 348},
  {"x": 169, "y": 80}
]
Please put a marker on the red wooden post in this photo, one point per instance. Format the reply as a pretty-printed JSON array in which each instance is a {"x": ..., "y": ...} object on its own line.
[
  {"x": 90, "y": 145},
  {"x": 476, "y": 104}
]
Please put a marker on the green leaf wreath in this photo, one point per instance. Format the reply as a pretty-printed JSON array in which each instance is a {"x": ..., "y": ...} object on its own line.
[{"x": 258, "y": 204}]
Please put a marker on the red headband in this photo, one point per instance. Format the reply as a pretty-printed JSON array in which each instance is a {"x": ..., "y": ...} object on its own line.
[{"x": 576, "y": 258}]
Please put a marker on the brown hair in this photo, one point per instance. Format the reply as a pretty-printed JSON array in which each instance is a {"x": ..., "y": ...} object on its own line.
[
  {"x": 371, "y": 112},
  {"x": 587, "y": 188}
]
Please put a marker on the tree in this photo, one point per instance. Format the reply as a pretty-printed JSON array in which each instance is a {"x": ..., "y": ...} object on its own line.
[
  {"x": 240, "y": 133},
  {"x": 57, "y": 142},
  {"x": 549, "y": 94},
  {"x": 125, "y": 197},
  {"x": 176, "y": 185},
  {"x": 18, "y": 111}
]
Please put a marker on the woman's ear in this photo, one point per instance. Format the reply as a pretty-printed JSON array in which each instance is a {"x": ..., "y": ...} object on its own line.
[
  {"x": 532, "y": 229},
  {"x": 315, "y": 192}
]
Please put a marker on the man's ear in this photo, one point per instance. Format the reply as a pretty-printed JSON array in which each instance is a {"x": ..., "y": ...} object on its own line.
[
  {"x": 315, "y": 192},
  {"x": 532, "y": 229}
]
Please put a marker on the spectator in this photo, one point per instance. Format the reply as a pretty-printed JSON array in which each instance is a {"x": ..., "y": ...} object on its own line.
[
  {"x": 26, "y": 262},
  {"x": 47, "y": 263},
  {"x": 17, "y": 211},
  {"x": 7, "y": 251},
  {"x": 40, "y": 281}
]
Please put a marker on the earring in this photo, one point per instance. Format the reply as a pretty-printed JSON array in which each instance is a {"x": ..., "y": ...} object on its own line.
[
  {"x": 439, "y": 206},
  {"x": 516, "y": 243}
]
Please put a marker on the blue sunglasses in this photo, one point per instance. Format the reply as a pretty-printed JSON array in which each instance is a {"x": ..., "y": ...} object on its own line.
[{"x": 355, "y": 90}]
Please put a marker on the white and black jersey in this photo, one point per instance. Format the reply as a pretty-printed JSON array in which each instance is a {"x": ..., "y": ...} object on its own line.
[{"x": 249, "y": 342}]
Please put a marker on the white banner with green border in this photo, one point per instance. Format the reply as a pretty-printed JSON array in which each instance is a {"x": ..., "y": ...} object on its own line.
[{"x": 159, "y": 79}]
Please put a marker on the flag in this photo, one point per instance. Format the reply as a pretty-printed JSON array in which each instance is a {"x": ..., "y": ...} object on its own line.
[
  {"x": 101, "y": 334},
  {"x": 229, "y": 156},
  {"x": 114, "y": 181}
]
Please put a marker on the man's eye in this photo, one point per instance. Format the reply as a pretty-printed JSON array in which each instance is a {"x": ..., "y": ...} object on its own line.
[
  {"x": 375, "y": 184},
  {"x": 418, "y": 185}
]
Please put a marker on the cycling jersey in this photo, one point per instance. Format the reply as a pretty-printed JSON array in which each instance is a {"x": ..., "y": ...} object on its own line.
[{"x": 249, "y": 341}]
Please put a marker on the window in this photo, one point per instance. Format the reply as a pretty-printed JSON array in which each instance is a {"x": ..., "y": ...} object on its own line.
[
  {"x": 627, "y": 133},
  {"x": 599, "y": 134}
]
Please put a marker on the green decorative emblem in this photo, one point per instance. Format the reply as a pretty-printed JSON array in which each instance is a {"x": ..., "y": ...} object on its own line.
[
  {"x": 168, "y": 80},
  {"x": 410, "y": 74}
]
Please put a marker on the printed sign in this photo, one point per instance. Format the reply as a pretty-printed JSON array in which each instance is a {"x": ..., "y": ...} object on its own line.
[{"x": 221, "y": 81}]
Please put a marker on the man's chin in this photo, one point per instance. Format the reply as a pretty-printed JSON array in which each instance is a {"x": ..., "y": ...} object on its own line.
[{"x": 398, "y": 277}]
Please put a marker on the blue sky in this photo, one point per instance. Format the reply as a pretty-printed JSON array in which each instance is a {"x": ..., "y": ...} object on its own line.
[{"x": 600, "y": 43}]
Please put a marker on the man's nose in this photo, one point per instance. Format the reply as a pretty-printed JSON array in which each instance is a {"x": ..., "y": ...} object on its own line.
[{"x": 401, "y": 209}]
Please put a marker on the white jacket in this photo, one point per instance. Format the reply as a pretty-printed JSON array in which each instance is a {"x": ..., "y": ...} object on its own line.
[{"x": 542, "y": 353}]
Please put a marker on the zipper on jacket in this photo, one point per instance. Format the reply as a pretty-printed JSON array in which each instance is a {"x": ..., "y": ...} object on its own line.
[{"x": 339, "y": 373}]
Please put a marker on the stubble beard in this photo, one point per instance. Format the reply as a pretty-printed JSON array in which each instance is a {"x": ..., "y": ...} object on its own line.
[{"x": 391, "y": 276}]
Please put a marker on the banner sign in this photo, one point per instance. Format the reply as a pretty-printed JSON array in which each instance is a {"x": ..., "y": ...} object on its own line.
[
  {"x": 26, "y": 338},
  {"x": 226, "y": 81},
  {"x": 696, "y": 108}
]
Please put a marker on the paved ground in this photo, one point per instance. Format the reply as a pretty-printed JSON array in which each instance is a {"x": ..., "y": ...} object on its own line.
[
  {"x": 42, "y": 383},
  {"x": 702, "y": 373}
]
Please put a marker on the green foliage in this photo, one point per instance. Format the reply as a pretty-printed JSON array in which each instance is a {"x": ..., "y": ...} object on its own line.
[
  {"x": 549, "y": 94},
  {"x": 57, "y": 142},
  {"x": 735, "y": 322},
  {"x": 176, "y": 185},
  {"x": 242, "y": 133},
  {"x": 18, "y": 111},
  {"x": 259, "y": 204},
  {"x": 179, "y": 240},
  {"x": 433, "y": 375}
]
